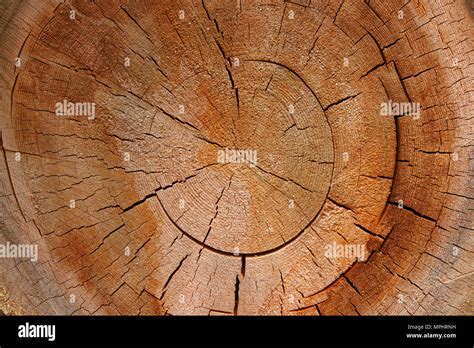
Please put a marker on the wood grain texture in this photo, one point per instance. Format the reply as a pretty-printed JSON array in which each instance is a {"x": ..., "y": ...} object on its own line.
[{"x": 134, "y": 213}]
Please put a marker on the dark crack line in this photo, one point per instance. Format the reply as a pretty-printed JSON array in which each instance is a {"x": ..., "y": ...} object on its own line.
[
  {"x": 137, "y": 203},
  {"x": 172, "y": 275},
  {"x": 340, "y": 204},
  {"x": 212, "y": 142},
  {"x": 351, "y": 284},
  {"x": 370, "y": 232},
  {"x": 372, "y": 69},
  {"x": 177, "y": 119},
  {"x": 138, "y": 24},
  {"x": 236, "y": 295},
  {"x": 107, "y": 236},
  {"x": 205, "y": 9},
  {"x": 217, "y": 208},
  {"x": 337, "y": 11},
  {"x": 340, "y": 101},
  {"x": 232, "y": 82},
  {"x": 162, "y": 188},
  {"x": 10, "y": 178},
  {"x": 281, "y": 21},
  {"x": 405, "y": 207},
  {"x": 268, "y": 84},
  {"x": 284, "y": 179},
  {"x": 343, "y": 275}
]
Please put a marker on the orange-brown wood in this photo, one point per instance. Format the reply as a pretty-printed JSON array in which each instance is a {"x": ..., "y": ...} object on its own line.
[{"x": 148, "y": 207}]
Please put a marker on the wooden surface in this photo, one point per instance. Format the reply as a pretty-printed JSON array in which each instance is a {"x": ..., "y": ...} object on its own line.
[{"x": 160, "y": 226}]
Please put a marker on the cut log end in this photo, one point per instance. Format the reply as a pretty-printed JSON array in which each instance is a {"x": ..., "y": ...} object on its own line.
[{"x": 236, "y": 158}]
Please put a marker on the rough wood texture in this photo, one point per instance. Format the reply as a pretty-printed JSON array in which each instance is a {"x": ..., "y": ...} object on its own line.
[{"x": 159, "y": 226}]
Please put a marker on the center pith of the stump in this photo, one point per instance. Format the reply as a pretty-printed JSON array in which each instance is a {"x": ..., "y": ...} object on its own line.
[{"x": 272, "y": 168}]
